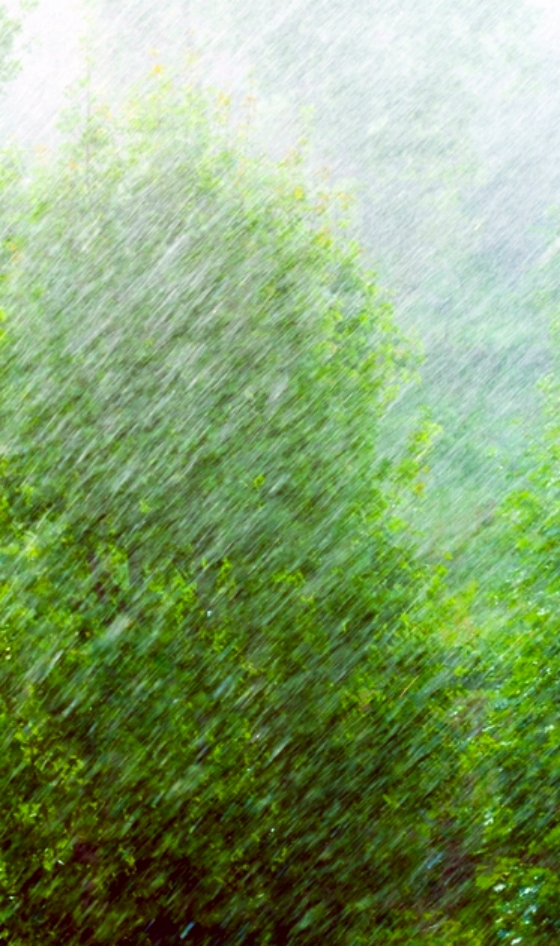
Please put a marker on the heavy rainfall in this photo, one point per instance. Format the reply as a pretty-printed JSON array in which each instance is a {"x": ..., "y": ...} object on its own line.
[{"x": 280, "y": 473}]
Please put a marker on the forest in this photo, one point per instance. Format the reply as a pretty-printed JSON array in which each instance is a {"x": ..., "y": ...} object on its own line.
[{"x": 280, "y": 478}]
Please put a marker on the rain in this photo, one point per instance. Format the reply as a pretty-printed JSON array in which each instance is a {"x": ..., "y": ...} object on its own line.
[{"x": 279, "y": 473}]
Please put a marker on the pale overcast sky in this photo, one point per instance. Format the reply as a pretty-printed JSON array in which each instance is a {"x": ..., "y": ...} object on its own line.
[{"x": 52, "y": 55}]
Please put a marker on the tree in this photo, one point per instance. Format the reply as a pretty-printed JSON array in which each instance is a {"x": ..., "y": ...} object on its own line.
[
  {"x": 224, "y": 699},
  {"x": 520, "y": 739},
  {"x": 441, "y": 112}
]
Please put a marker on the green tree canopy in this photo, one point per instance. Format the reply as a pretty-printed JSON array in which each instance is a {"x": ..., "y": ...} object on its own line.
[
  {"x": 223, "y": 698},
  {"x": 518, "y": 748}
]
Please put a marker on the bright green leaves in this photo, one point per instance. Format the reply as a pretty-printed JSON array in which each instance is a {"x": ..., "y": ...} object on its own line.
[{"x": 217, "y": 644}]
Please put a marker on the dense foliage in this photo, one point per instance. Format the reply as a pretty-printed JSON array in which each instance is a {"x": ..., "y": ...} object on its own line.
[
  {"x": 521, "y": 740},
  {"x": 237, "y": 705},
  {"x": 224, "y": 700}
]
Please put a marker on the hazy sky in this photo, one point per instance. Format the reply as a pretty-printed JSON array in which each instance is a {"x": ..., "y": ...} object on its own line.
[
  {"x": 550, "y": 31},
  {"x": 57, "y": 24},
  {"x": 51, "y": 54}
]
